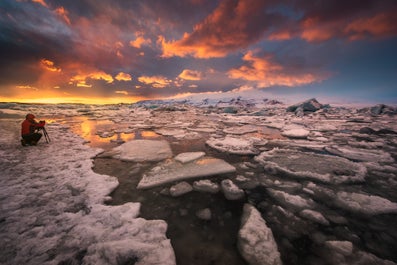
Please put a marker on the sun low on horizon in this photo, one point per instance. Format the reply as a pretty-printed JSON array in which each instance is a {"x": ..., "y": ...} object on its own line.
[{"x": 127, "y": 51}]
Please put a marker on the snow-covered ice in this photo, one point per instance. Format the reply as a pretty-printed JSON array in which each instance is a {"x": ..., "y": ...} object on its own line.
[{"x": 52, "y": 209}]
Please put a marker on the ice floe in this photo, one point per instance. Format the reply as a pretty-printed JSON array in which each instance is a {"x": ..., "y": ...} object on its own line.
[
  {"x": 233, "y": 145},
  {"x": 323, "y": 168},
  {"x": 359, "y": 154},
  {"x": 171, "y": 170},
  {"x": 141, "y": 150}
]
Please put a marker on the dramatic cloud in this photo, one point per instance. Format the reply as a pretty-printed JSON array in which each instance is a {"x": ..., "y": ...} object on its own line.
[
  {"x": 191, "y": 75},
  {"x": 266, "y": 73},
  {"x": 123, "y": 77},
  {"x": 231, "y": 26},
  {"x": 49, "y": 65},
  {"x": 155, "y": 81},
  {"x": 56, "y": 47}
]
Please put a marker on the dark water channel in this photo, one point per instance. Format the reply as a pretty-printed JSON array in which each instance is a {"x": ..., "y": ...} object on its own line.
[{"x": 195, "y": 241}]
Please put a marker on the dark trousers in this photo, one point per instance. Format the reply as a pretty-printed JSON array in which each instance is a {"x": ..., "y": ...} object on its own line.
[{"x": 32, "y": 138}]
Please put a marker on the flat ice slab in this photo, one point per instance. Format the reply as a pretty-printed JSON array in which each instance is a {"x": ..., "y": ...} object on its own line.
[
  {"x": 323, "y": 168},
  {"x": 172, "y": 170},
  {"x": 141, "y": 151}
]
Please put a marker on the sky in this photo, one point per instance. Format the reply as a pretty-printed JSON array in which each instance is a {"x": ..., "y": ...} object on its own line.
[{"x": 114, "y": 51}]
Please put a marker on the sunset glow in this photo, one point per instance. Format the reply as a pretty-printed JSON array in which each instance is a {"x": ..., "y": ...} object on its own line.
[{"x": 96, "y": 52}]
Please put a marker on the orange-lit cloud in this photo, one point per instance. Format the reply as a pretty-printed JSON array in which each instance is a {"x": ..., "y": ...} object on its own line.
[
  {"x": 41, "y": 2},
  {"x": 266, "y": 73},
  {"x": 123, "y": 77},
  {"x": 231, "y": 26},
  {"x": 377, "y": 25},
  {"x": 155, "y": 81},
  {"x": 140, "y": 41},
  {"x": 380, "y": 25},
  {"x": 63, "y": 13},
  {"x": 49, "y": 65},
  {"x": 81, "y": 79},
  {"x": 122, "y": 92},
  {"x": 190, "y": 75}
]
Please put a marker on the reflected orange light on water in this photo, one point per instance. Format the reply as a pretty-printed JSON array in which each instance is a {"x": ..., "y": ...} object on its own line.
[
  {"x": 90, "y": 130},
  {"x": 205, "y": 161}
]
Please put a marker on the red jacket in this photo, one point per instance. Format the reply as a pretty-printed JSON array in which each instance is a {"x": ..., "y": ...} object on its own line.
[{"x": 29, "y": 127}]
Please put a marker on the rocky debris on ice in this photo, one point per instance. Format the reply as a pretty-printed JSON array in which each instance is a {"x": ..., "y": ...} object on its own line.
[
  {"x": 180, "y": 189},
  {"x": 140, "y": 151},
  {"x": 323, "y": 168},
  {"x": 359, "y": 154},
  {"x": 233, "y": 145},
  {"x": 352, "y": 201},
  {"x": 255, "y": 239},
  {"x": 188, "y": 157},
  {"x": 231, "y": 191},
  {"x": 204, "y": 214},
  {"x": 206, "y": 185},
  {"x": 171, "y": 170}
]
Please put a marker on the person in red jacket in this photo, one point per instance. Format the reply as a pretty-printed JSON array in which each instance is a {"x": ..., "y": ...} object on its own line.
[{"x": 29, "y": 130}]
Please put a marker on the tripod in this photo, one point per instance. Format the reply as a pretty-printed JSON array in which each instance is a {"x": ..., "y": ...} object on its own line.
[{"x": 46, "y": 136}]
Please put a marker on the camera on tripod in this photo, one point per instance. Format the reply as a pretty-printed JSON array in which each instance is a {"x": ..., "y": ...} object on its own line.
[{"x": 40, "y": 127}]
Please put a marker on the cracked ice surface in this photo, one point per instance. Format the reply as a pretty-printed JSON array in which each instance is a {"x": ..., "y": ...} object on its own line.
[{"x": 52, "y": 209}]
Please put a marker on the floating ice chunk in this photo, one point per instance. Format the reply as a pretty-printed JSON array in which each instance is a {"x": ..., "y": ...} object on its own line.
[
  {"x": 170, "y": 171},
  {"x": 344, "y": 248},
  {"x": 204, "y": 214},
  {"x": 206, "y": 185},
  {"x": 314, "y": 216},
  {"x": 255, "y": 239},
  {"x": 233, "y": 145},
  {"x": 365, "y": 204},
  {"x": 171, "y": 132},
  {"x": 140, "y": 151},
  {"x": 231, "y": 191},
  {"x": 241, "y": 129},
  {"x": 296, "y": 133},
  {"x": 189, "y": 156},
  {"x": 289, "y": 201},
  {"x": 359, "y": 154},
  {"x": 324, "y": 168},
  {"x": 203, "y": 129},
  {"x": 352, "y": 201},
  {"x": 180, "y": 189}
]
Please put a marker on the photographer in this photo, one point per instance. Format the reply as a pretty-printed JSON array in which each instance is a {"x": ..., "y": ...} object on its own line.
[{"x": 29, "y": 130}]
